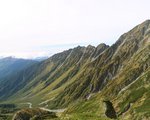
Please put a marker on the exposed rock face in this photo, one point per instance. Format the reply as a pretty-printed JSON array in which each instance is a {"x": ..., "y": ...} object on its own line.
[
  {"x": 110, "y": 111},
  {"x": 34, "y": 114}
]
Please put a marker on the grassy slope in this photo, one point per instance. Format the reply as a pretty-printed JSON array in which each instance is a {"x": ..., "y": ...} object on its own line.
[{"x": 137, "y": 95}]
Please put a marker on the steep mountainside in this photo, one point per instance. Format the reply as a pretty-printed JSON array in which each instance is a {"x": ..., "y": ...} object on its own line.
[
  {"x": 115, "y": 62},
  {"x": 128, "y": 90},
  {"x": 102, "y": 82}
]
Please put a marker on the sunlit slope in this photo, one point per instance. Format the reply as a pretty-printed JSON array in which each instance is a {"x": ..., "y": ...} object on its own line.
[
  {"x": 131, "y": 102},
  {"x": 129, "y": 90}
]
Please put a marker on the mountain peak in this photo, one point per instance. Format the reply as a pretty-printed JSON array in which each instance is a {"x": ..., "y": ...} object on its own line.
[
  {"x": 90, "y": 46},
  {"x": 146, "y": 22},
  {"x": 143, "y": 27},
  {"x": 102, "y": 45}
]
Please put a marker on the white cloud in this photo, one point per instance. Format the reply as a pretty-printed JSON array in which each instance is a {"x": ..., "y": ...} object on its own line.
[{"x": 28, "y": 24}]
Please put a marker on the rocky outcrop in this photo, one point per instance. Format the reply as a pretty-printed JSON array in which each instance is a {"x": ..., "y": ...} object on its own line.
[
  {"x": 110, "y": 111},
  {"x": 34, "y": 114}
]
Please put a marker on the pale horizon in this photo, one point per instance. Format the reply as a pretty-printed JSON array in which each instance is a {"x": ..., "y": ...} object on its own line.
[{"x": 34, "y": 28}]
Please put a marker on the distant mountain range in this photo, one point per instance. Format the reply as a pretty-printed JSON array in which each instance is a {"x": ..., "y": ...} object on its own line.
[
  {"x": 40, "y": 58},
  {"x": 11, "y": 65},
  {"x": 92, "y": 83}
]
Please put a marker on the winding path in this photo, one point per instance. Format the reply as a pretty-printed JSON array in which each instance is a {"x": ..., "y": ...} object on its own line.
[
  {"x": 46, "y": 109},
  {"x": 28, "y": 103},
  {"x": 56, "y": 111}
]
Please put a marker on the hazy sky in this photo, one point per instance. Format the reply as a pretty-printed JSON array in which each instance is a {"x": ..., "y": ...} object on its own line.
[{"x": 30, "y": 28}]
